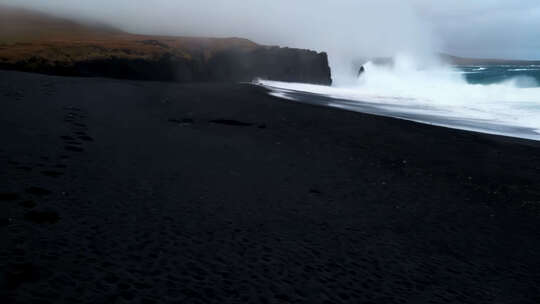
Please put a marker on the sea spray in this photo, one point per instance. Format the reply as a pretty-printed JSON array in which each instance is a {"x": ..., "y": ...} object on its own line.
[{"x": 436, "y": 90}]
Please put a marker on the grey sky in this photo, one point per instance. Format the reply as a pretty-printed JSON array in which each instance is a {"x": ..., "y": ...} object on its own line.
[{"x": 481, "y": 28}]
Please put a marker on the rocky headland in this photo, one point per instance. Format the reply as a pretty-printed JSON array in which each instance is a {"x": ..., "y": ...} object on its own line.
[{"x": 35, "y": 42}]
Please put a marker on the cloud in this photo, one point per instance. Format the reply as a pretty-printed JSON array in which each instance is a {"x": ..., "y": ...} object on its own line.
[{"x": 345, "y": 28}]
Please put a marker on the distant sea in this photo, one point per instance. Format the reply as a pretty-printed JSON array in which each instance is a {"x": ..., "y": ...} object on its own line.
[{"x": 492, "y": 74}]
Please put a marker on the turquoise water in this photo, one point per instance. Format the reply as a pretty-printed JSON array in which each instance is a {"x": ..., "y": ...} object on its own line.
[{"x": 525, "y": 76}]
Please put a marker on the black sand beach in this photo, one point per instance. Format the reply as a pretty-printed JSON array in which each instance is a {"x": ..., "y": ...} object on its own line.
[{"x": 117, "y": 191}]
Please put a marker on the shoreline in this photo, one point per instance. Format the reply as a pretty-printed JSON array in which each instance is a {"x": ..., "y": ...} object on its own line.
[
  {"x": 220, "y": 193},
  {"x": 419, "y": 114}
]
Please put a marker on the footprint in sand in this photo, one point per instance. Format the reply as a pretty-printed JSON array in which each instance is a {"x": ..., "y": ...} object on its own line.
[{"x": 74, "y": 117}]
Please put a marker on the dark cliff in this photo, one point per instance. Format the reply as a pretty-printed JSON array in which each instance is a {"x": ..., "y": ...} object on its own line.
[
  {"x": 230, "y": 65},
  {"x": 284, "y": 64}
]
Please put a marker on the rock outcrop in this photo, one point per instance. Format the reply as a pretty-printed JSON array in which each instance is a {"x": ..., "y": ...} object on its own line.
[
  {"x": 231, "y": 65},
  {"x": 273, "y": 63}
]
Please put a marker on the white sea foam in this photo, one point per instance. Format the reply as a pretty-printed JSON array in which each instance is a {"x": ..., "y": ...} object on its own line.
[{"x": 435, "y": 90}]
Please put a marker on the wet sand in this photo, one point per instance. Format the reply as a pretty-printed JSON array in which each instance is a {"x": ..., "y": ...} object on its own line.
[{"x": 144, "y": 192}]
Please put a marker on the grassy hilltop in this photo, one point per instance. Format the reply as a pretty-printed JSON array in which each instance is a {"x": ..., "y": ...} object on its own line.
[
  {"x": 36, "y": 42},
  {"x": 25, "y": 34}
]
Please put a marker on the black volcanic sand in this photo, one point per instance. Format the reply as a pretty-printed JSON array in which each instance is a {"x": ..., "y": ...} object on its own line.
[{"x": 130, "y": 192}]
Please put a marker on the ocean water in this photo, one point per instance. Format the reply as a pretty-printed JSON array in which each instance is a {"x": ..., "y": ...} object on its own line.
[
  {"x": 494, "y": 99},
  {"x": 492, "y": 74}
]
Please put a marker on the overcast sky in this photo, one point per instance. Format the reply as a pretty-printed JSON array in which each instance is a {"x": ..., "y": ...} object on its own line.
[{"x": 480, "y": 28}]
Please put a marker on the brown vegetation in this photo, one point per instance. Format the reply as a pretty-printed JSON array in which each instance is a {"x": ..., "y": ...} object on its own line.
[
  {"x": 35, "y": 42},
  {"x": 26, "y": 35}
]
